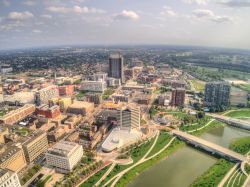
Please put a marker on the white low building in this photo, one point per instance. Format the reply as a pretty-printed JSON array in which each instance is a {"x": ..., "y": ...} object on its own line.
[
  {"x": 8, "y": 179},
  {"x": 93, "y": 86},
  {"x": 64, "y": 156},
  {"x": 120, "y": 138}
]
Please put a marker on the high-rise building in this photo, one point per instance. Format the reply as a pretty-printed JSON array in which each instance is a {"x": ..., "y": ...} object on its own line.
[
  {"x": 64, "y": 156},
  {"x": 178, "y": 97},
  {"x": 35, "y": 146},
  {"x": 129, "y": 117},
  {"x": 116, "y": 67},
  {"x": 217, "y": 94},
  {"x": 8, "y": 179}
]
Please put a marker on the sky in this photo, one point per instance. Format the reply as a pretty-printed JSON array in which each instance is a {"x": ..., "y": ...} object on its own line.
[{"x": 41, "y": 23}]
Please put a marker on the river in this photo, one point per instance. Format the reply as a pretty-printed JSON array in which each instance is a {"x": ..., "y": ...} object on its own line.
[{"x": 186, "y": 164}]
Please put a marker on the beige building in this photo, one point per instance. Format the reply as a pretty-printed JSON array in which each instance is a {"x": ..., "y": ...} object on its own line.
[
  {"x": 64, "y": 156},
  {"x": 63, "y": 103},
  {"x": 35, "y": 145},
  {"x": 80, "y": 107},
  {"x": 8, "y": 179},
  {"x": 12, "y": 158},
  {"x": 18, "y": 114},
  {"x": 3, "y": 132},
  {"x": 129, "y": 117}
]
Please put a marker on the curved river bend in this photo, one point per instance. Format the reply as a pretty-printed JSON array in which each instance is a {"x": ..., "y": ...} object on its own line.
[{"x": 186, "y": 164}]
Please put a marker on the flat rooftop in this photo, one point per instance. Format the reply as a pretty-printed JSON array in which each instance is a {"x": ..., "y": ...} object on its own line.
[
  {"x": 63, "y": 148},
  {"x": 119, "y": 138}
]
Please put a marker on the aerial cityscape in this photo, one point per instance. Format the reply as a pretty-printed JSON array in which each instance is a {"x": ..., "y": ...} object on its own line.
[{"x": 124, "y": 93}]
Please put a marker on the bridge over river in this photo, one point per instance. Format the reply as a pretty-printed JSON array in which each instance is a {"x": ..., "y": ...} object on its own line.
[
  {"x": 211, "y": 147},
  {"x": 231, "y": 121}
]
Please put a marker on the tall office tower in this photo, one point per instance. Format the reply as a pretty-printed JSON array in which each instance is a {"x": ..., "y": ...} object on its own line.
[
  {"x": 178, "y": 97},
  {"x": 116, "y": 67},
  {"x": 217, "y": 94},
  {"x": 129, "y": 117}
]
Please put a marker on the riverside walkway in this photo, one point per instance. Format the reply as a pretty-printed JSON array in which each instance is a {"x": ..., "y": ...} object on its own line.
[{"x": 211, "y": 147}]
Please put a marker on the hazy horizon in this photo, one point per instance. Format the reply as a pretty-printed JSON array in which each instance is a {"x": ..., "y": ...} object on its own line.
[{"x": 206, "y": 23}]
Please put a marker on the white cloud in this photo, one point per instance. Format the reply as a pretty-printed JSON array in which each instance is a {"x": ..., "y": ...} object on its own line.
[
  {"x": 199, "y": 2},
  {"x": 127, "y": 15},
  {"x": 200, "y": 13},
  {"x": 36, "y": 31},
  {"x": 20, "y": 15},
  {"x": 75, "y": 9},
  {"x": 210, "y": 15},
  {"x": 235, "y": 3},
  {"x": 46, "y": 16},
  {"x": 168, "y": 11},
  {"x": 55, "y": 9}
]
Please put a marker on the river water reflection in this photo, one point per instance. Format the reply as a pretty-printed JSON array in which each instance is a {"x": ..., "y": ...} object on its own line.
[{"x": 186, "y": 164}]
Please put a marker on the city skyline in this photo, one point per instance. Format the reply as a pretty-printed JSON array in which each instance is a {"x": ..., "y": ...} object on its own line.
[{"x": 212, "y": 23}]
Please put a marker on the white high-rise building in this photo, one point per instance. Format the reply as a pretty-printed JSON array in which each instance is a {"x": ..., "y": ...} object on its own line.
[
  {"x": 129, "y": 117},
  {"x": 64, "y": 156},
  {"x": 8, "y": 179}
]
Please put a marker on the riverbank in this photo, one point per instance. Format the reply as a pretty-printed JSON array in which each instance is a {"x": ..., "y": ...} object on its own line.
[
  {"x": 132, "y": 174},
  {"x": 216, "y": 173}
]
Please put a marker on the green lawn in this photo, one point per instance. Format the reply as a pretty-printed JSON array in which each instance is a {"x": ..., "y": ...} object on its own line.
[
  {"x": 42, "y": 183},
  {"x": 239, "y": 113},
  {"x": 241, "y": 145},
  {"x": 213, "y": 175},
  {"x": 236, "y": 181},
  {"x": 213, "y": 124},
  {"x": 107, "y": 93},
  {"x": 163, "y": 139},
  {"x": 198, "y": 85},
  {"x": 81, "y": 94},
  {"x": 95, "y": 178},
  {"x": 136, "y": 155},
  {"x": 245, "y": 87}
]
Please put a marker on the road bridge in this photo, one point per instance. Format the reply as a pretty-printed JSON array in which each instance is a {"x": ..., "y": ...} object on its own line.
[
  {"x": 210, "y": 147},
  {"x": 231, "y": 121}
]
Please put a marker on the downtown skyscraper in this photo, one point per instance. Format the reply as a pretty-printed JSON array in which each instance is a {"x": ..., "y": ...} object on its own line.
[{"x": 116, "y": 69}]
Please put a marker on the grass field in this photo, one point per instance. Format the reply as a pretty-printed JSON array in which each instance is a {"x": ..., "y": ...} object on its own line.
[
  {"x": 214, "y": 174},
  {"x": 163, "y": 139},
  {"x": 239, "y": 113},
  {"x": 136, "y": 154},
  {"x": 95, "y": 178},
  {"x": 241, "y": 145},
  {"x": 198, "y": 85}
]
